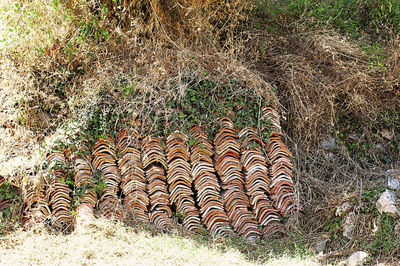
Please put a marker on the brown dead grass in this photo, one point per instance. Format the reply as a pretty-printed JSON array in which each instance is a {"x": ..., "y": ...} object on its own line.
[
  {"x": 322, "y": 76},
  {"x": 323, "y": 79},
  {"x": 64, "y": 60}
]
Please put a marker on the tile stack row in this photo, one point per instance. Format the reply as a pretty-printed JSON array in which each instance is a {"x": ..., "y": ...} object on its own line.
[
  {"x": 180, "y": 181},
  {"x": 238, "y": 183},
  {"x": 206, "y": 184},
  {"x": 4, "y": 202},
  {"x": 133, "y": 179},
  {"x": 229, "y": 169},
  {"x": 257, "y": 182},
  {"x": 105, "y": 160},
  {"x": 83, "y": 178},
  {"x": 36, "y": 208},
  {"x": 280, "y": 169},
  {"x": 154, "y": 163},
  {"x": 59, "y": 193}
]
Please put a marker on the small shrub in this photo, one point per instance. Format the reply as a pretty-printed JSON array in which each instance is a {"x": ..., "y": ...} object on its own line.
[
  {"x": 10, "y": 217},
  {"x": 386, "y": 240}
]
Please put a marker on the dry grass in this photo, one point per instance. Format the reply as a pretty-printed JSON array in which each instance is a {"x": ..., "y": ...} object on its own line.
[
  {"x": 106, "y": 243},
  {"x": 328, "y": 86},
  {"x": 36, "y": 62},
  {"x": 322, "y": 76},
  {"x": 69, "y": 52}
]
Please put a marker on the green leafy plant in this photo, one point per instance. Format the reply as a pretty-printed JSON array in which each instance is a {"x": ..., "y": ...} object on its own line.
[
  {"x": 180, "y": 215},
  {"x": 355, "y": 18},
  {"x": 98, "y": 183},
  {"x": 78, "y": 193},
  {"x": 198, "y": 107},
  {"x": 376, "y": 57},
  {"x": 8, "y": 192},
  {"x": 369, "y": 198},
  {"x": 334, "y": 226},
  {"x": 386, "y": 239},
  {"x": 11, "y": 214}
]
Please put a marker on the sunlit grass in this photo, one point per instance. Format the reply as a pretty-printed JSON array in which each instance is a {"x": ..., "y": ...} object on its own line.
[
  {"x": 104, "y": 242},
  {"x": 30, "y": 29}
]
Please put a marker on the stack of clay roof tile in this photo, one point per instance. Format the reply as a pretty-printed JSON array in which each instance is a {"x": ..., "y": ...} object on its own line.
[
  {"x": 257, "y": 181},
  {"x": 242, "y": 181},
  {"x": 104, "y": 159},
  {"x": 133, "y": 180},
  {"x": 227, "y": 164},
  {"x": 271, "y": 120},
  {"x": 59, "y": 193},
  {"x": 282, "y": 187},
  {"x": 180, "y": 181},
  {"x": 83, "y": 178},
  {"x": 36, "y": 209},
  {"x": 206, "y": 184},
  {"x": 154, "y": 163},
  {"x": 4, "y": 204}
]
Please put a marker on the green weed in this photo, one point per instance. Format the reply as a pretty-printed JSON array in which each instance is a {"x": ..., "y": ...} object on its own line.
[
  {"x": 351, "y": 17},
  {"x": 369, "y": 149},
  {"x": 334, "y": 226},
  {"x": 97, "y": 185},
  {"x": 10, "y": 216},
  {"x": 369, "y": 198},
  {"x": 386, "y": 239},
  {"x": 376, "y": 57},
  {"x": 205, "y": 102}
]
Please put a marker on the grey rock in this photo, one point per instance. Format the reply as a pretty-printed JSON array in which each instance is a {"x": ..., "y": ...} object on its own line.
[
  {"x": 393, "y": 178},
  {"x": 387, "y": 133},
  {"x": 320, "y": 247},
  {"x": 329, "y": 143},
  {"x": 349, "y": 225},
  {"x": 393, "y": 173},
  {"x": 387, "y": 203},
  {"x": 343, "y": 209},
  {"x": 393, "y": 183},
  {"x": 378, "y": 147},
  {"x": 355, "y": 136},
  {"x": 397, "y": 230},
  {"x": 329, "y": 156},
  {"x": 357, "y": 258}
]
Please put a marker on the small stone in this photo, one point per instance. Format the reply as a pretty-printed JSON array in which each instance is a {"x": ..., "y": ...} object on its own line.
[
  {"x": 387, "y": 203},
  {"x": 329, "y": 144},
  {"x": 378, "y": 147},
  {"x": 375, "y": 226},
  {"x": 357, "y": 258},
  {"x": 393, "y": 173},
  {"x": 393, "y": 183},
  {"x": 386, "y": 133},
  {"x": 329, "y": 156},
  {"x": 393, "y": 178},
  {"x": 343, "y": 209},
  {"x": 349, "y": 225},
  {"x": 320, "y": 247},
  {"x": 355, "y": 137}
]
